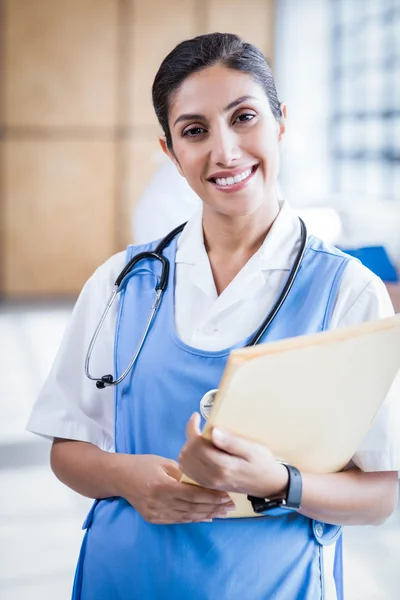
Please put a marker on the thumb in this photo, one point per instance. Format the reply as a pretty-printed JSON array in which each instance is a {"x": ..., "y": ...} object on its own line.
[
  {"x": 229, "y": 443},
  {"x": 172, "y": 469},
  {"x": 193, "y": 426}
]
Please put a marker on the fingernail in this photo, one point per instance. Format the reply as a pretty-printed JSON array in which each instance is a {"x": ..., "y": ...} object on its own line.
[
  {"x": 206, "y": 521},
  {"x": 218, "y": 434},
  {"x": 231, "y": 507},
  {"x": 225, "y": 499}
]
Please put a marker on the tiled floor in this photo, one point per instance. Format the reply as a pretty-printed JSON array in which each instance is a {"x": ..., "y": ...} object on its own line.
[{"x": 40, "y": 519}]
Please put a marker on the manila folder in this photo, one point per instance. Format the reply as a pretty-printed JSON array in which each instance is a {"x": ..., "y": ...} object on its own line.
[{"x": 310, "y": 399}]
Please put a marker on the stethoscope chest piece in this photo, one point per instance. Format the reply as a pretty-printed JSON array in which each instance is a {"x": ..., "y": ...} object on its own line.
[{"x": 206, "y": 403}]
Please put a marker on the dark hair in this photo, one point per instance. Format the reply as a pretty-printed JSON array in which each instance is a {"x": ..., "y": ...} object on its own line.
[{"x": 204, "y": 51}]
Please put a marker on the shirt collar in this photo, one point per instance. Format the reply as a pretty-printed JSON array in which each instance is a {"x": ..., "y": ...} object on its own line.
[
  {"x": 191, "y": 241},
  {"x": 276, "y": 253}
]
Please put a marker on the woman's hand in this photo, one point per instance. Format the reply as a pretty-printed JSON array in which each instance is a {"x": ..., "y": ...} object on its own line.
[
  {"x": 231, "y": 463},
  {"x": 151, "y": 484}
]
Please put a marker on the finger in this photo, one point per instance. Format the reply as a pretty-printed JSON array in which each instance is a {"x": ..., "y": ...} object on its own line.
[
  {"x": 193, "y": 427},
  {"x": 176, "y": 516},
  {"x": 176, "y": 521},
  {"x": 172, "y": 469},
  {"x": 197, "y": 515},
  {"x": 211, "y": 467},
  {"x": 199, "y": 495},
  {"x": 231, "y": 444},
  {"x": 204, "y": 453},
  {"x": 181, "y": 521},
  {"x": 203, "y": 508}
]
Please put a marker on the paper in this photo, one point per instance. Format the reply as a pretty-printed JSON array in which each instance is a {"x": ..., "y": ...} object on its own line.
[{"x": 309, "y": 399}]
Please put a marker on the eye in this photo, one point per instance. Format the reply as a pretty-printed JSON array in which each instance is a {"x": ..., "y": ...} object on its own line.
[
  {"x": 192, "y": 132},
  {"x": 244, "y": 117}
]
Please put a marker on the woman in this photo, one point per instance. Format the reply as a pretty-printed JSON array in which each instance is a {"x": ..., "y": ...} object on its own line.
[{"x": 148, "y": 535}]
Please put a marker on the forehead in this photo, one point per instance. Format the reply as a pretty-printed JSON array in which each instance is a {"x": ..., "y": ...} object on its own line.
[{"x": 213, "y": 89}]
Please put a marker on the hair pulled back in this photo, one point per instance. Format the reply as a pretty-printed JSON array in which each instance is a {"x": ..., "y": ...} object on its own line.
[{"x": 204, "y": 51}]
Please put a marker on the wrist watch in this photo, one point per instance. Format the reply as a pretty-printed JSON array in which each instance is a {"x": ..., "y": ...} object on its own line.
[{"x": 291, "y": 501}]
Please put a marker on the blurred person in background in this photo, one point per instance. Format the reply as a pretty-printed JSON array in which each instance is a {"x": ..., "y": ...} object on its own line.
[
  {"x": 166, "y": 202},
  {"x": 149, "y": 535}
]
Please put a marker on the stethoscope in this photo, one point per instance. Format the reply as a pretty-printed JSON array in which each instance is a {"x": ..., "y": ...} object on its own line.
[{"x": 208, "y": 398}]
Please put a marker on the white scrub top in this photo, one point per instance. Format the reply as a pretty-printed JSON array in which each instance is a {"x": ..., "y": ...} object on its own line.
[{"x": 70, "y": 405}]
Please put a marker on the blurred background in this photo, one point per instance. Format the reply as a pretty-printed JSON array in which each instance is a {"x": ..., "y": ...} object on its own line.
[{"x": 78, "y": 147}]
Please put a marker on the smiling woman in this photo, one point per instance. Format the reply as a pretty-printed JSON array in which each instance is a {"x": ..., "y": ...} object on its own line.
[
  {"x": 226, "y": 124},
  {"x": 149, "y": 535}
]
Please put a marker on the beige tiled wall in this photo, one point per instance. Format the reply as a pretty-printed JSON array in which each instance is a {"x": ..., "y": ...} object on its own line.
[
  {"x": 157, "y": 26},
  {"x": 252, "y": 20},
  {"x": 140, "y": 159},
  {"x": 79, "y": 136},
  {"x": 61, "y": 63},
  {"x": 59, "y": 217}
]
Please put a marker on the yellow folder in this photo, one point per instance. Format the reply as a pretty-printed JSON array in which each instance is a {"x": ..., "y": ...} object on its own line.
[{"x": 309, "y": 399}]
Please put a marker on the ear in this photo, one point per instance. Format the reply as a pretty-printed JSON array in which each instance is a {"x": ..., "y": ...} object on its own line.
[
  {"x": 170, "y": 153},
  {"x": 282, "y": 122}
]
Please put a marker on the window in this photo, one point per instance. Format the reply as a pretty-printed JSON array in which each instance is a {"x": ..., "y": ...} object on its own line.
[{"x": 365, "y": 121}]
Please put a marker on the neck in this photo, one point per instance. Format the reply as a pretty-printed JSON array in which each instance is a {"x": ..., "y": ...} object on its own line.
[
  {"x": 230, "y": 242},
  {"x": 244, "y": 235}
]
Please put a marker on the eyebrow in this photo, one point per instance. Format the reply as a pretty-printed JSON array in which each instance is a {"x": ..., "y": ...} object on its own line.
[{"x": 199, "y": 117}]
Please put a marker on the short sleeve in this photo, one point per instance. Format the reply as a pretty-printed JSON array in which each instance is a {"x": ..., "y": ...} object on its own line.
[
  {"x": 69, "y": 405},
  {"x": 380, "y": 449},
  {"x": 363, "y": 297}
]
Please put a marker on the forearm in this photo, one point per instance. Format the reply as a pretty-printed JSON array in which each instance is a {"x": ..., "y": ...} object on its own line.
[
  {"x": 85, "y": 468},
  {"x": 350, "y": 498}
]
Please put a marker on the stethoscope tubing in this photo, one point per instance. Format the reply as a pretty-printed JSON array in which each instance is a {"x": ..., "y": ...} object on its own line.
[
  {"x": 108, "y": 380},
  {"x": 288, "y": 286}
]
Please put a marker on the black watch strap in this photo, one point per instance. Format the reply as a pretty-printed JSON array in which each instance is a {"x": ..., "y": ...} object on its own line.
[
  {"x": 293, "y": 495},
  {"x": 295, "y": 488}
]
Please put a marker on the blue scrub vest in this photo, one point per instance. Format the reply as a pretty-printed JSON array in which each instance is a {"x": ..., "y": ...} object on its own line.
[{"x": 123, "y": 557}]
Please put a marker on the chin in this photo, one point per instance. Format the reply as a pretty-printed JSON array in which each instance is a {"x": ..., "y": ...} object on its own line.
[{"x": 237, "y": 208}]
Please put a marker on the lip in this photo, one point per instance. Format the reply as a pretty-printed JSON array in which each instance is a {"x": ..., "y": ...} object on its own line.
[
  {"x": 235, "y": 187},
  {"x": 231, "y": 172}
]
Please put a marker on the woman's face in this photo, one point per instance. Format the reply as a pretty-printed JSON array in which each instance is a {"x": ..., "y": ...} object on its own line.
[{"x": 226, "y": 140}]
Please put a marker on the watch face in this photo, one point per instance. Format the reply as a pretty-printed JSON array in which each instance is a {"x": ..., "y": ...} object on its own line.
[
  {"x": 275, "y": 504},
  {"x": 206, "y": 403},
  {"x": 261, "y": 505}
]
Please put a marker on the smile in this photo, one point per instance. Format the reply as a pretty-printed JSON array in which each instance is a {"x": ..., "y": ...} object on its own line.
[{"x": 235, "y": 182}]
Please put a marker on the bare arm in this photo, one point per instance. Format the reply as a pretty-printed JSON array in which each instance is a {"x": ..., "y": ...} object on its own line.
[
  {"x": 85, "y": 468},
  {"x": 234, "y": 464},
  {"x": 150, "y": 483},
  {"x": 351, "y": 497}
]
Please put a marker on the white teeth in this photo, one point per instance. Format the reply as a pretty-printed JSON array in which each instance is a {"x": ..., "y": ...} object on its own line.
[{"x": 231, "y": 180}]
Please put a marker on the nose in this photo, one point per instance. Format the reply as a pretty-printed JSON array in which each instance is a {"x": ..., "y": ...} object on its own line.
[{"x": 225, "y": 148}]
